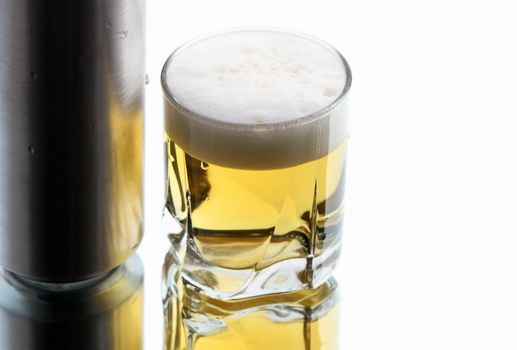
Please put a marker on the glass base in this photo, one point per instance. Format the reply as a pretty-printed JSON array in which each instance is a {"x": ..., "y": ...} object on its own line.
[
  {"x": 282, "y": 277},
  {"x": 299, "y": 320},
  {"x": 293, "y": 272}
]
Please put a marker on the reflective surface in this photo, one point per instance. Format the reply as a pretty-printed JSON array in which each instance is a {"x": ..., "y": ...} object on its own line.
[
  {"x": 71, "y": 136},
  {"x": 301, "y": 320},
  {"x": 102, "y": 314}
]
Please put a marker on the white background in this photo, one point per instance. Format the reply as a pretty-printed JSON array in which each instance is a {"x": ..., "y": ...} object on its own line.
[{"x": 429, "y": 258}]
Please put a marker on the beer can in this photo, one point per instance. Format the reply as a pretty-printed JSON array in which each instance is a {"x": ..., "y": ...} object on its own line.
[{"x": 72, "y": 81}]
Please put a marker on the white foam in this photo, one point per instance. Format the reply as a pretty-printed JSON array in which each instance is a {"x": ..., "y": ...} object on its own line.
[
  {"x": 256, "y": 77},
  {"x": 245, "y": 99}
]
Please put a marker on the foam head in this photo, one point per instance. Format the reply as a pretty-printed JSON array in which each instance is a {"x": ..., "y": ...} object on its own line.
[{"x": 256, "y": 98}]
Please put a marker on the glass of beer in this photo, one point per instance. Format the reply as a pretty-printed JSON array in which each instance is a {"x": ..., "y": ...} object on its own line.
[{"x": 256, "y": 131}]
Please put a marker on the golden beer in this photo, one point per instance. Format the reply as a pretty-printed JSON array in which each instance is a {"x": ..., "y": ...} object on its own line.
[{"x": 250, "y": 220}]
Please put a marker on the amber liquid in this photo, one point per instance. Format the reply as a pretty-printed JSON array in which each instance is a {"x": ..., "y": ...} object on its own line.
[
  {"x": 250, "y": 220},
  {"x": 258, "y": 332}
]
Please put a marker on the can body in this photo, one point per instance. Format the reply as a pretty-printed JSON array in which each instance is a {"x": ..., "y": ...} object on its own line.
[{"x": 72, "y": 83}]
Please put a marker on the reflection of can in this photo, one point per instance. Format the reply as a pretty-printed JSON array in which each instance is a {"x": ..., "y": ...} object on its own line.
[{"x": 100, "y": 314}]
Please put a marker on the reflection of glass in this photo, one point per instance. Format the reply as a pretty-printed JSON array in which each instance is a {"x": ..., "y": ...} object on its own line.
[
  {"x": 305, "y": 319},
  {"x": 260, "y": 200},
  {"x": 102, "y": 313}
]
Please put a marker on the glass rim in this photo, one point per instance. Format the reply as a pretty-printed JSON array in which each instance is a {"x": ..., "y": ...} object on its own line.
[{"x": 309, "y": 118}]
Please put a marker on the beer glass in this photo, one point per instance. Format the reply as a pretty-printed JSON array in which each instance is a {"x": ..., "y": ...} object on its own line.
[{"x": 256, "y": 131}]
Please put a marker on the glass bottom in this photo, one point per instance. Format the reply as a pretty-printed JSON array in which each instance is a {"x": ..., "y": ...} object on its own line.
[
  {"x": 299, "y": 320},
  {"x": 281, "y": 277},
  {"x": 218, "y": 282}
]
